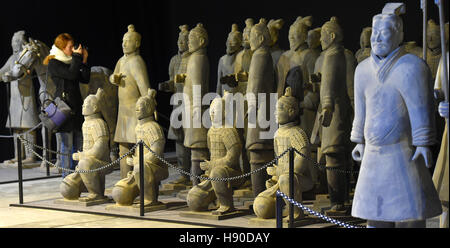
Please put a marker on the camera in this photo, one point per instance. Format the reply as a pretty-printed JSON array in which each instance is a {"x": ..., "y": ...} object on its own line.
[{"x": 76, "y": 45}]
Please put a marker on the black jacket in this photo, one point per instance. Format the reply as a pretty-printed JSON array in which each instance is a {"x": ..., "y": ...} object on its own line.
[{"x": 67, "y": 78}]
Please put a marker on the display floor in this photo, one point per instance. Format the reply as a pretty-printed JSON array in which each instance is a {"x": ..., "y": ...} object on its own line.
[{"x": 41, "y": 209}]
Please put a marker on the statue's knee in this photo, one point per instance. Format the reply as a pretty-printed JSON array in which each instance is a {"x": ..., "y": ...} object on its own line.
[
  {"x": 198, "y": 199},
  {"x": 125, "y": 191},
  {"x": 264, "y": 206},
  {"x": 70, "y": 187}
]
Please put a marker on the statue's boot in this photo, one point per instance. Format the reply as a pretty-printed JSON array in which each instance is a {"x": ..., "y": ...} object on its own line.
[
  {"x": 71, "y": 186},
  {"x": 223, "y": 191},
  {"x": 184, "y": 162},
  {"x": 125, "y": 190},
  {"x": 30, "y": 157}
]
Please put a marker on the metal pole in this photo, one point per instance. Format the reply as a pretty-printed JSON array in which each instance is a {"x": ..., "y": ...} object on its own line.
[
  {"x": 444, "y": 76},
  {"x": 47, "y": 145},
  {"x": 423, "y": 6},
  {"x": 141, "y": 176},
  {"x": 291, "y": 187},
  {"x": 19, "y": 169},
  {"x": 279, "y": 210}
]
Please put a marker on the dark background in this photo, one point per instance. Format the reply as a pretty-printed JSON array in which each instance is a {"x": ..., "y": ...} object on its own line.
[{"x": 101, "y": 24}]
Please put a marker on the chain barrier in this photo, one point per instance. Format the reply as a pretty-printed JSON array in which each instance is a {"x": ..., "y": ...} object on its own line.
[
  {"x": 324, "y": 217},
  {"x": 27, "y": 146},
  {"x": 323, "y": 166},
  {"x": 223, "y": 179},
  {"x": 115, "y": 149},
  {"x": 26, "y": 132}
]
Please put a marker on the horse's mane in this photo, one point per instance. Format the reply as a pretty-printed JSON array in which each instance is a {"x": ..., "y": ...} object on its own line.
[{"x": 44, "y": 50}]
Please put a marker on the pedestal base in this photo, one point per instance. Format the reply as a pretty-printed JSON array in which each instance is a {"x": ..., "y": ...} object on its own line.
[
  {"x": 209, "y": 216},
  {"x": 83, "y": 204},
  {"x": 135, "y": 208},
  {"x": 24, "y": 165},
  {"x": 272, "y": 223}
]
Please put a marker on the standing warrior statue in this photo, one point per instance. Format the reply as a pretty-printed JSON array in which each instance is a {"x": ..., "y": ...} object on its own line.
[
  {"x": 433, "y": 47},
  {"x": 23, "y": 112},
  {"x": 334, "y": 110},
  {"x": 130, "y": 75},
  {"x": 225, "y": 148},
  {"x": 151, "y": 133},
  {"x": 274, "y": 27},
  {"x": 196, "y": 84},
  {"x": 227, "y": 61},
  {"x": 393, "y": 129},
  {"x": 288, "y": 135},
  {"x": 178, "y": 65},
  {"x": 260, "y": 81},
  {"x": 364, "y": 42},
  {"x": 95, "y": 154}
]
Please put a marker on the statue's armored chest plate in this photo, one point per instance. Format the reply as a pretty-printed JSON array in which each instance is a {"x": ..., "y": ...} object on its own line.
[
  {"x": 149, "y": 132},
  {"x": 217, "y": 147},
  {"x": 92, "y": 130}
]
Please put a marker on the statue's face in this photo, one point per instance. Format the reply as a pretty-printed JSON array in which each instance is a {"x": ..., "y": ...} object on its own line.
[
  {"x": 17, "y": 43},
  {"x": 365, "y": 39},
  {"x": 433, "y": 38},
  {"x": 296, "y": 38},
  {"x": 326, "y": 38},
  {"x": 233, "y": 44},
  {"x": 216, "y": 113},
  {"x": 246, "y": 38},
  {"x": 129, "y": 44},
  {"x": 256, "y": 40},
  {"x": 195, "y": 42},
  {"x": 313, "y": 39},
  {"x": 89, "y": 106},
  {"x": 384, "y": 38},
  {"x": 282, "y": 114},
  {"x": 183, "y": 40},
  {"x": 142, "y": 110}
]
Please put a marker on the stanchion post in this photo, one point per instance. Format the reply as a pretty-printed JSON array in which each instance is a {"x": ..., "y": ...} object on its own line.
[
  {"x": 19, "y": 168},
  {"x": 141, "y": 176},
  {"x": 279, "y": 210},
  {"x": 291, "y": 187},
  {"x": 47, "y": 153}
]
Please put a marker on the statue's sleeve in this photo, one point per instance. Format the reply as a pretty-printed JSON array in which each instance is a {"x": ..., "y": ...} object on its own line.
[
  {"x": 417, "y": 93},
  {"x": 357, "y": 133},
  {"x": 7, "y": 66},
  {"x": 155, "y": 135},
  {"x": 139, "y": 73},
  {"x": 330, "y": 80}
]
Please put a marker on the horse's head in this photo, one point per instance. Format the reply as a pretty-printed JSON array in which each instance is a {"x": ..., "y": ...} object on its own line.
[{"x": 27, "y": 58}]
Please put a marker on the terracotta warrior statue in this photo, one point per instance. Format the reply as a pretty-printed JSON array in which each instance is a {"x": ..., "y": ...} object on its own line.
[
  {"x": 433, "y": 47},
  {"x": 196, "y": 84},
  {"x": 260, "y": 81},
  {"x": 151, "y": 133},
  {"x": 334, "y": 111},
  {"x": 23, "y": 111},
  {"x": 298, "y": 33},
  {"x": 95, "y": 154},
  {"x": 227, "y": 61},
  {"x": 178, "y": 65},
  {"x": 440, "y": 174},
  {"x": 130, "y": 75},
  {"x": 274, "y": 27},
  {"x": 393, "y": 129},
  {"x": 225, "y": 148},
  {"x": 288, "y": 135},
  {"x": 364, "y": 42}
]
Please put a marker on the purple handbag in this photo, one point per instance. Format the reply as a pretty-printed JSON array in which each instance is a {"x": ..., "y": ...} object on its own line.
[{"x": 55, "y": 113}]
